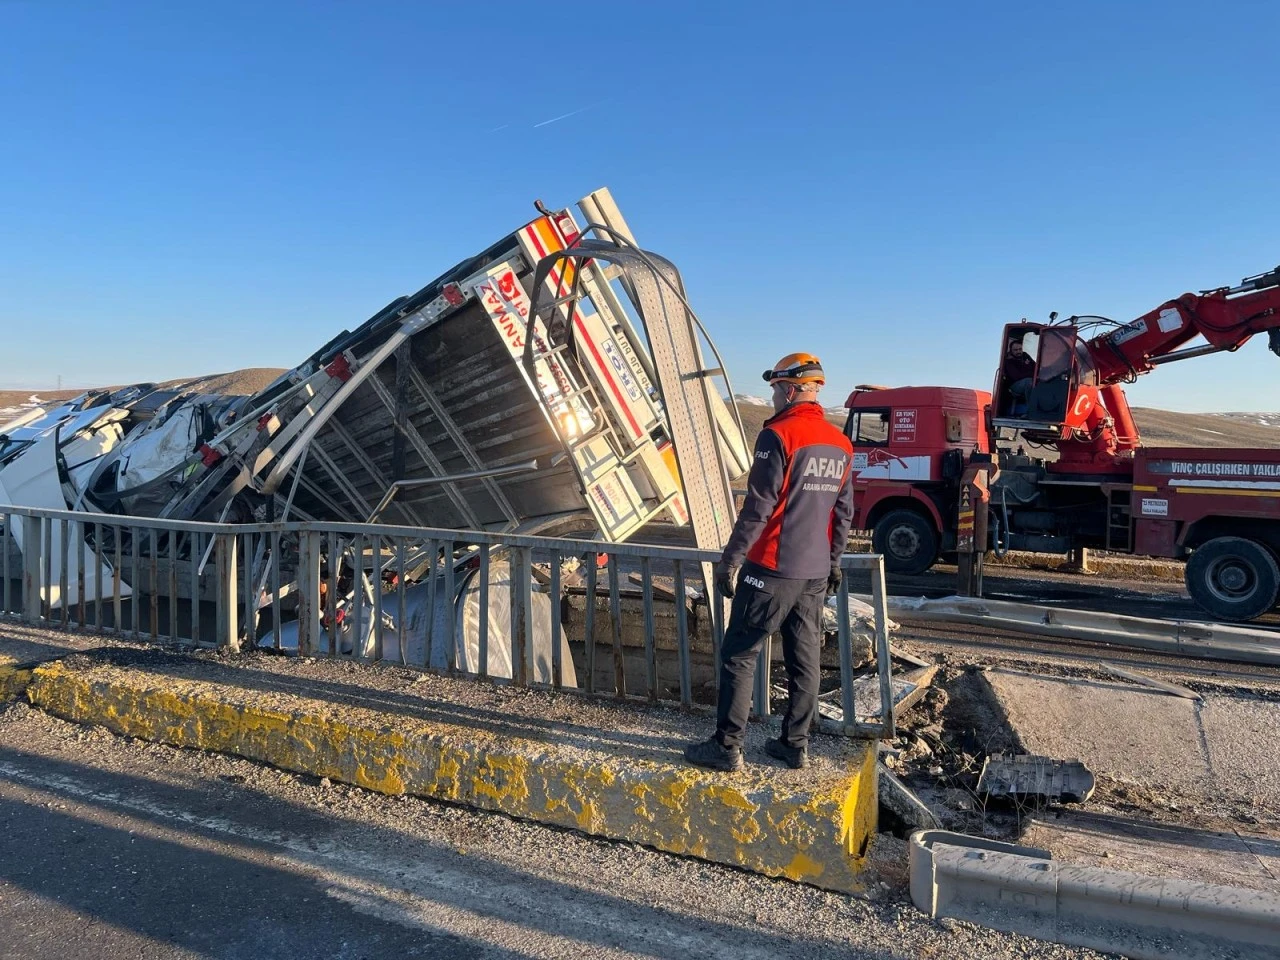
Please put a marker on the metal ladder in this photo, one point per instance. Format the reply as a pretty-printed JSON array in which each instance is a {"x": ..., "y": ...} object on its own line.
[
  {"x": 675, "y": 350},
  {"x": 671, "y": 329},
  {"x": 1119, "y": 521}
]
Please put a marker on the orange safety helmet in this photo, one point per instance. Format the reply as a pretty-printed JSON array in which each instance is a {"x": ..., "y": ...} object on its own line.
[{"x": 798, "y": 368}]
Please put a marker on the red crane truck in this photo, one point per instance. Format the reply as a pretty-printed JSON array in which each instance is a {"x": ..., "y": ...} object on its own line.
[{"x": 915, "y": 448}]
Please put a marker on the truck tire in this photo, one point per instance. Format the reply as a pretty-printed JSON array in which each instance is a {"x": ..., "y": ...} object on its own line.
[
  {"x": 1233, "y": 578},
  {"x": 907, "y": 540}
]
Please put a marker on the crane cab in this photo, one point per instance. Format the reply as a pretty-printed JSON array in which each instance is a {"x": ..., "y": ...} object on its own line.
[{"x": 1039, "y": 379}]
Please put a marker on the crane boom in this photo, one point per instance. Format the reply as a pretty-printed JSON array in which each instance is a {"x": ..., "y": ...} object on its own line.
[
  {"x": 1226, "y": 317},
  {"x": 1074, "y": 400}
]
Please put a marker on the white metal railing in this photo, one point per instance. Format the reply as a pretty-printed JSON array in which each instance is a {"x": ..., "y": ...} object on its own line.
[{"x": 409, "y": 595}]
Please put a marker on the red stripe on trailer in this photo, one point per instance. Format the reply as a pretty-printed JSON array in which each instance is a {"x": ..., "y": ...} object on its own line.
[
  {"x": 607, "y": 371},
  {"x": 608, "y": 376},
  {"x": 532, "y": 234}
]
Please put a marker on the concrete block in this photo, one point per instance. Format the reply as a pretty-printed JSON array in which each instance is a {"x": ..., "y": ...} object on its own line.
[
  {"x": 803, "y": 825},
  {"x": 13, "y": 680},
  {"x": 1150, "y": 918},
  {"x": 1232, "y": 857},
  {"x": 1116, "y": 729}
]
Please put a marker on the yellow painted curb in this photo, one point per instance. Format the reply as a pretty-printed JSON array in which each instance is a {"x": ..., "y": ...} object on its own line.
[
  {"x": 817, "y": 834},
  {"x": 13, "y": 681}
]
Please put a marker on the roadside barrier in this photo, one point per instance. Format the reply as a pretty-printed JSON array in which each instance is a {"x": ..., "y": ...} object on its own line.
[{"x": 460, "y": 602}]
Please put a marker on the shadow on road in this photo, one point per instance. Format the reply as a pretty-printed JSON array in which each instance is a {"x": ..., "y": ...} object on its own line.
[{"x": 196, "y": 866}]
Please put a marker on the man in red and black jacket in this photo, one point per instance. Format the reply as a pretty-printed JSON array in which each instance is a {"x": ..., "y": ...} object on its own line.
[{"x": 781, "y": 561}]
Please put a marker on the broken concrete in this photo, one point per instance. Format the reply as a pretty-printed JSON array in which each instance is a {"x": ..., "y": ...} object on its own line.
[
  {"x": 1035, "y": 779},
  {"x": 899, "y": 799},
  {"x": 1221, "y": 749}
]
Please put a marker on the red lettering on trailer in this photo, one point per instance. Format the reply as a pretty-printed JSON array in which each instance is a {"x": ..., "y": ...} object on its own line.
[{"x": 508, "y": 307}]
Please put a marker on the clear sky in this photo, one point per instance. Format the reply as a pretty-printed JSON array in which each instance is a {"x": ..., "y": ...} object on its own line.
[{"x": 187, "y": 188}]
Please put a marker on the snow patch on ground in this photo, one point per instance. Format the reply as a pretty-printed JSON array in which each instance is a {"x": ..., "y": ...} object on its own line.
[
  {"x": 1263, "y": 419},
  {"x": 13, "y": 412}
]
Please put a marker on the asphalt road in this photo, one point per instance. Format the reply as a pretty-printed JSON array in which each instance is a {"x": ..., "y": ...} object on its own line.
[
  {"x": 1157, "y": 599},
  {"x": 113, "y": 849}
]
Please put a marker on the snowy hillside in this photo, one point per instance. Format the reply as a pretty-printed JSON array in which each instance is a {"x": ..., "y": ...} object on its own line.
[
  {"x": 1261, "y": 419},
  {"x": 746, "y": 400}
]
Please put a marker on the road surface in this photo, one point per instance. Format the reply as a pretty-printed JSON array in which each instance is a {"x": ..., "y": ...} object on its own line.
[{"x": 115, "y": 849}]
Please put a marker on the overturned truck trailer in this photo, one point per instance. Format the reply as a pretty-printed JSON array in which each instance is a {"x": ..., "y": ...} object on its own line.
[
  {"x": 490, "y": 399},
  {"x": 557, "y": 382}
]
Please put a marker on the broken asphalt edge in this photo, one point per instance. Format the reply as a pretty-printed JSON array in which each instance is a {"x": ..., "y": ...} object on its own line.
[
  {"x": 816, "y": 834},
  {"x": 1021, "y": 890}
]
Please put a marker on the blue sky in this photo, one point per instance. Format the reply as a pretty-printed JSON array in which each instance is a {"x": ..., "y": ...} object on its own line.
[{"x": 190, "y": 188}]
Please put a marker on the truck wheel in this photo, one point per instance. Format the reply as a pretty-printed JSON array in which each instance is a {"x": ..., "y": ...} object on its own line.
[
  {"x": 1233, "y": 578},
  {"x": 907, "y": 540}
]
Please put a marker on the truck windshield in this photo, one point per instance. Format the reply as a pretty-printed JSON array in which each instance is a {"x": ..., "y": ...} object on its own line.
[{"x": 869, "y": 427}]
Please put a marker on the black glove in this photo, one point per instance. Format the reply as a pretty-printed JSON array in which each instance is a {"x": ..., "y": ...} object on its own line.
[
  {"x": 833, "y": 581},
  {"x": 726, "y": 577}
]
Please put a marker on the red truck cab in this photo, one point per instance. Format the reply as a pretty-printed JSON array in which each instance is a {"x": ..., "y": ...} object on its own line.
[{"x": 910, "y": 447}]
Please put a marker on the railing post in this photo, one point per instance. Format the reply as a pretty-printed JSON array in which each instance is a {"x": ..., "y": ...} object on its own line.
[
  {"x": 309, "y": 608},
  {"x": 847, "y": 704},
  {"x": 883, "y": 664},
  {"x": 522, "y": 594},
  {"x": 32, "y": 565},
  {"x": 521, "y": 668},
  {"x": 228, "y": 633}
]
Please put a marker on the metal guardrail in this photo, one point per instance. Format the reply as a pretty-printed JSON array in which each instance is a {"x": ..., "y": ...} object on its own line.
[{"x": 371, "y": 592}]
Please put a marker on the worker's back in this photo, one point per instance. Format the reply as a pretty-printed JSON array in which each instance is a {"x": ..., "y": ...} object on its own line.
[{"x": 815, "y": 459}]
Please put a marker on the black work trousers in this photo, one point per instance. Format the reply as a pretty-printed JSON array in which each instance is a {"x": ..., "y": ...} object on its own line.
[{"x": 764, "y": 604}]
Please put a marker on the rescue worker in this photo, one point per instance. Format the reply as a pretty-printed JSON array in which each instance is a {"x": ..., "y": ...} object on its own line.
[{"x": 781, "y": 561}]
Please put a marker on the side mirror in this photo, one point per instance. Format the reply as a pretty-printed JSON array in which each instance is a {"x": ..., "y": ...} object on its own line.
[{"x": 1053, "y": 315}]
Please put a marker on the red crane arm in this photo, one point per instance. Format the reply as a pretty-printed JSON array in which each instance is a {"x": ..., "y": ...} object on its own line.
[{"x": 1226, "y": 318}]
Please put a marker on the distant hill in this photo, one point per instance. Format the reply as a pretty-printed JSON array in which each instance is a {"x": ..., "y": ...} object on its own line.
[
  {"x": 239, "y": 383},
  {"x": 1159, "y": 428},
  {"x": 755, "y": 414},
  {"x": 1164, "y": 428}
]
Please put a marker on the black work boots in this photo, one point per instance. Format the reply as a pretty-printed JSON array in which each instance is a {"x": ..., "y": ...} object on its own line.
[
  {"x": 797, "y": 758},
  {"x": 712, "y": 755}
]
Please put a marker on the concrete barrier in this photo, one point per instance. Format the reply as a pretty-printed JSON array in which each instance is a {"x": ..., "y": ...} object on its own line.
[
  {"x": 1188, "y": 638},
  {"x": 13, "y": 679},
  {"x": 1021, "y": 890},
  {"x": 803, "y": 825}
]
